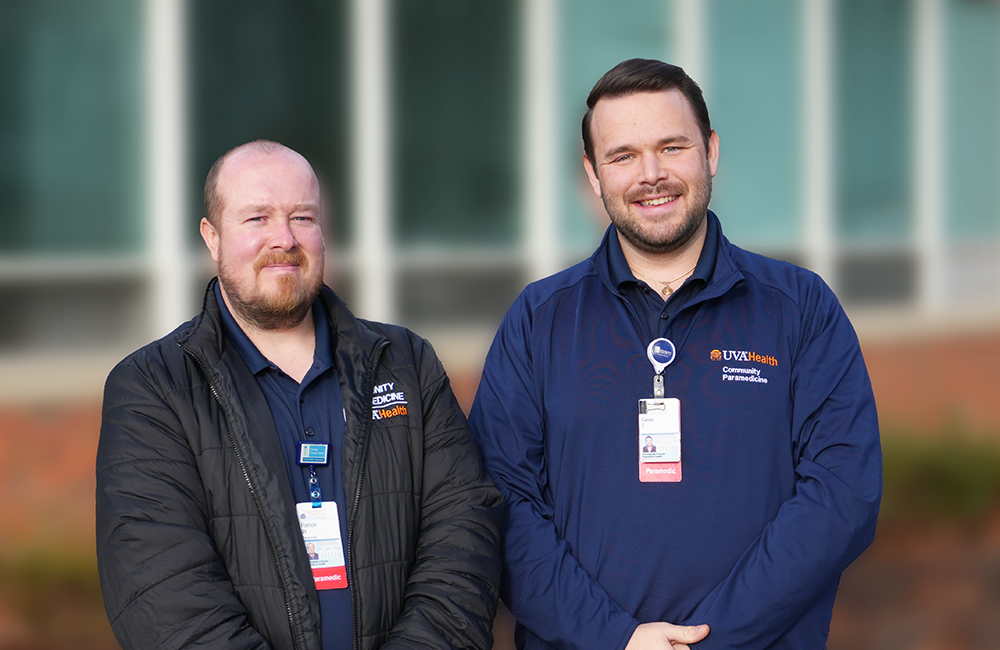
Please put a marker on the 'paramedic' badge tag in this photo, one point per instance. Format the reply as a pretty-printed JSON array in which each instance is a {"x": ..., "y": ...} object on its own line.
[
  {"x": 661, "y": 353},
  {"x": 324, "y": 545},
  {"x": 660, "y": 440}
]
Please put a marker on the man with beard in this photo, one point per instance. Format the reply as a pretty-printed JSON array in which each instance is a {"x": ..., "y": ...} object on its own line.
[
  {"x": 767, "y": 476},
  {"x": 277, "y": 422}
]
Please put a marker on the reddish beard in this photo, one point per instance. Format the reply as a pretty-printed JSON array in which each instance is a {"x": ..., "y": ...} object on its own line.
[{"x": 280, "y": 309}]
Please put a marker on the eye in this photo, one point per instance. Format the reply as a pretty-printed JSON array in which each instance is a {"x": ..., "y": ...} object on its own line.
[{"x": 622, "y": 158}]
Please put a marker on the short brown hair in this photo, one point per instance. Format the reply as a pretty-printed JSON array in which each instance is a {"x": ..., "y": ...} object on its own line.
[
  {"x": 644, "y": 75},
  {"x": 213, "y": 201}
]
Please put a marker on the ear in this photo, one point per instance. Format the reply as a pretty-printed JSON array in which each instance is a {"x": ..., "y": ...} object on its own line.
[
  {"x": 713, "y": 152},
  {"x": 595, "y": 182},
  {"x": 211, "y": 236}
]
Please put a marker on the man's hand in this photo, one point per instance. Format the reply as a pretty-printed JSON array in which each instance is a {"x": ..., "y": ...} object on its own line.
[{"x": 664, "y": 636}]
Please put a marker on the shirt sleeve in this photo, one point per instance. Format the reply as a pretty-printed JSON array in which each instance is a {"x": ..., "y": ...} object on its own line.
[
  {"x": 831, "y": 517},
  {"x": 164, "y": 584},
  {"x": 543, "y": 583}
]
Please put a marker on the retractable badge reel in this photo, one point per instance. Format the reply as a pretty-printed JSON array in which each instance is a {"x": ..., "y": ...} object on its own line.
[
  {"x": 660, "y": 422},
  {"x": 661, "y": 353},
  {"x": 313, "y": 454}
]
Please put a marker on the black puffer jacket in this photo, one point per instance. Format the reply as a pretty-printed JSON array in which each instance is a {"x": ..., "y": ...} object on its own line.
[{"x": 198, "y": 544}]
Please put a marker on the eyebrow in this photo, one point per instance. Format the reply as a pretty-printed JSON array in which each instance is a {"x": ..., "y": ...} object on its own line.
[
  {"x": 669, "y": 140},
  {"x": 267, "y": 207},
  {"x": 306, "y": 207}
]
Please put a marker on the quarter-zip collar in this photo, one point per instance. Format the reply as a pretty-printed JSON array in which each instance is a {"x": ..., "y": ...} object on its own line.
[{"x": 715, "y": 266}]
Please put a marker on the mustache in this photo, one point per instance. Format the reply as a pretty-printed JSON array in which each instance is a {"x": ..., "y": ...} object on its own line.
[
  {"x": 294, "y": 256},
  {"x": 666, "y": 187}
]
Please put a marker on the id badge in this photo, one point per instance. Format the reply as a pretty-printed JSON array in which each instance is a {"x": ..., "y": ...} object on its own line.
[
  {"x": 324, "y": 545},
  {"x": 660, "y": 440}
]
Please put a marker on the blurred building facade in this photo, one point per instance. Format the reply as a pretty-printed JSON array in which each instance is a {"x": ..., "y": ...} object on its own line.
[{"x": 860, "y": 138}]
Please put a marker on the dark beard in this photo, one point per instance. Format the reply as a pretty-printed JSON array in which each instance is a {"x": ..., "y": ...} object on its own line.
[
  {"x": 268, "y": 313},
  {"x": 631, "y": 229}
]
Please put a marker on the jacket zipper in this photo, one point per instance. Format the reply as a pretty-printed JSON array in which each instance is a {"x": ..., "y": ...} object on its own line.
[
  {"x": 296, "y": 643},
  {"x": 357, "y": 494}
]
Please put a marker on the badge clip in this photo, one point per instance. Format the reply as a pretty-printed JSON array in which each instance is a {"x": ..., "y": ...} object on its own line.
[{"x": 314, "y": 492}]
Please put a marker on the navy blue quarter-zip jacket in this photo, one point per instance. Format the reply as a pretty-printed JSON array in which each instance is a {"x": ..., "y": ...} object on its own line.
[{"x": 780, "y": 456}]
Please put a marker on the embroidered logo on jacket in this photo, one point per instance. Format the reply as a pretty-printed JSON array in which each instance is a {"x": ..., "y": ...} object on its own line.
[
  {"x": 742, "y": 373},
  {"x": 742, "y": 355},
  {"x": 387, "y": 402}
]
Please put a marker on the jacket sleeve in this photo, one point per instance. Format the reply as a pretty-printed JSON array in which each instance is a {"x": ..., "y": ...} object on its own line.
[
  {"x": 831, "y": 517},
  {"x": 543, "y": 583},
  {"x": 452, "y": 593},
  {"x": 163, "y": 582}
]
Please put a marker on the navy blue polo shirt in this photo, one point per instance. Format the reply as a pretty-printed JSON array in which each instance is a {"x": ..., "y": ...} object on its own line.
[
  {"x": 648, "y": 303},
  {"x": 312, "y": 411}
]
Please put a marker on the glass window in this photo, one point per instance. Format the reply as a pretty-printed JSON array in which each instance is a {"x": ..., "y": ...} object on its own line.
[
  {"x": 873, "y": 124},
  {"x": 753, "y": 99},
  {"x": 972, "y": 130},
  {"x": 595, "y": 36},
  {"x": 70, "y": 119},
  {"x": 455, "y": 113},
  {"x": 276, "y": 71}
]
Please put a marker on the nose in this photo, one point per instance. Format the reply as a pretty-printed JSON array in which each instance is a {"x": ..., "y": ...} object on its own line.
[
  {"x": 652, "y": 170},
  {"x": 281, "y": 235}
]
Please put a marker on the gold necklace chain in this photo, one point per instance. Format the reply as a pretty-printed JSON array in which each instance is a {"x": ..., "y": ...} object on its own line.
[{"x": 667, "y": 289}]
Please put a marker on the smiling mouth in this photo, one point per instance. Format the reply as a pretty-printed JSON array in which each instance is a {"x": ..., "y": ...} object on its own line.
[
  {"x": 281, "y": 267},
  {"x": 648, "y": 203}
]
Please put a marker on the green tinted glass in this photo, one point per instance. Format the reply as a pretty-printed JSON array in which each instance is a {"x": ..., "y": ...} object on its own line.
[
  {"x": 874, "y": 120},
  {"x": 455, "y": 118},
  {"x": 276, "y": 71},
  {"x": 596, "y": 35},
  {"x": 753, "y": 95},
  {"x": 972, "y": 129},
  {"x": 70, "y": 173}
]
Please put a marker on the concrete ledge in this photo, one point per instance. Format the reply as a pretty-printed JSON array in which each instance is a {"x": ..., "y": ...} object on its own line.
[{"x": 41, "y": 378}]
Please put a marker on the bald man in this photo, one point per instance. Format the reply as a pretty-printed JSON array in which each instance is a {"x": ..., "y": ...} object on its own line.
[{"x": 276, "y": 422}]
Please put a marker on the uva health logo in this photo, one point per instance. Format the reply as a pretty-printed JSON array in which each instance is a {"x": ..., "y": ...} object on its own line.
[{"x": 742, "y": 355}]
